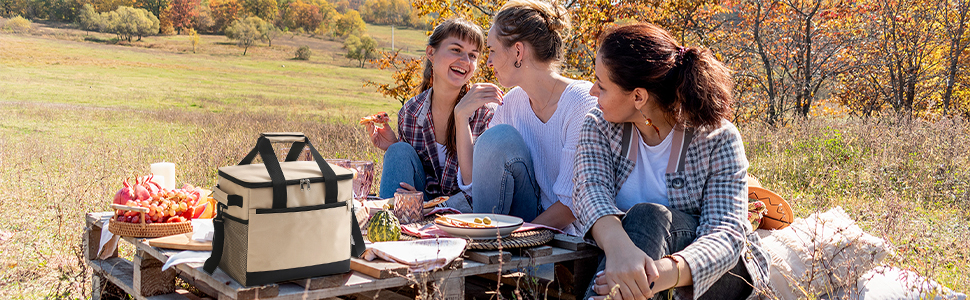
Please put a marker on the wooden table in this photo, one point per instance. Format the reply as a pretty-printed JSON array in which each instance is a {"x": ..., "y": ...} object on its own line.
[{"x": 142, "y": 277}]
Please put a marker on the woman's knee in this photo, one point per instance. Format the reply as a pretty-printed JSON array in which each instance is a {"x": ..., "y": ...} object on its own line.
[
  {"x": 500, "y": 141},
  {"x": 399, "y": 148},
  {"x": 649, "y": 211}
]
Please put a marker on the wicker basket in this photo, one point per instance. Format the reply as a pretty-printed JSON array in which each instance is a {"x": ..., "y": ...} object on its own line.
[{"x": 142, "y": 230}]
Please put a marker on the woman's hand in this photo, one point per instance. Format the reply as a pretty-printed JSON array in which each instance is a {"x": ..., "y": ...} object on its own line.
[
  {"x": 628, "y": 270},
  {"x": 406, "y": 188},
  {"x": 631, "y": 271},
  {"x": 478, "y": 94},
  {"x": 381, "y": 137}
]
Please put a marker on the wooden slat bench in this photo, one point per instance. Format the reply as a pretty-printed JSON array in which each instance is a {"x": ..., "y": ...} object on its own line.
[{"x": 142, "y": 277}]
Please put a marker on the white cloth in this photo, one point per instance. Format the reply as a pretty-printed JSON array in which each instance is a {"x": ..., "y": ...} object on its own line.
[
  {"x": 420, "y": 255},
  {"x": 108, "y": 243},
  {"x": 890, "y": 283},
  {"x": 202, "y": 230},
  {"x": 185, "y": 257},
  {"x": 823, "y": 252},
  {"x": 647, "y": 182}
]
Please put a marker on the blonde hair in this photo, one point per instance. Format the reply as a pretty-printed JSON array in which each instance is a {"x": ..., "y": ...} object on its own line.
[{"x": 542, "y": 25}]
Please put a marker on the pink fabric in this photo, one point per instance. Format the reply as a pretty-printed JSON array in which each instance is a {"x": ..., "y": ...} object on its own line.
[{"x": 433, "y": 231}]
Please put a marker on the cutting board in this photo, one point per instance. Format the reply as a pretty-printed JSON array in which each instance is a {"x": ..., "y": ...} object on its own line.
[{"x": 180, "y": 242}]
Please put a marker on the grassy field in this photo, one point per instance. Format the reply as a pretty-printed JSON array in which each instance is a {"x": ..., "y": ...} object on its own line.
[{"x": 77, "y": 116}]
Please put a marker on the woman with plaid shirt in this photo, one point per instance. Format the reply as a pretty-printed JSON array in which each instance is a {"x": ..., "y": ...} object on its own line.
[
  {"x": 660, "y": 174},
  {"x": 424, "y": 159}
]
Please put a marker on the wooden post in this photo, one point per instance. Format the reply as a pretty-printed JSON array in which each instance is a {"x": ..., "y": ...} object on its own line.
[
  {"x": 583, "y": 272},
  {"x": 452, "y": 288},
  {"x": 149, "y": 280}
]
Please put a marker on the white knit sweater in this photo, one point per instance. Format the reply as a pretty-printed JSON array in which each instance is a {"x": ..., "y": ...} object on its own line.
[{"x": 553, "y": 143}]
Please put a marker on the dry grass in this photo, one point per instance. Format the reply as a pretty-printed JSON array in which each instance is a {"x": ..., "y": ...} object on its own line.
[{"x": 907, "y": 182}]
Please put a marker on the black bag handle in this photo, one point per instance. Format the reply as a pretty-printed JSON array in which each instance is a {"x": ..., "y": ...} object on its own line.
[{"x": 264, "y": 148}]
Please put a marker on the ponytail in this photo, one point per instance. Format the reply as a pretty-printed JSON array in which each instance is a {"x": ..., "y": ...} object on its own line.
[{"x": 691, "y": 86}]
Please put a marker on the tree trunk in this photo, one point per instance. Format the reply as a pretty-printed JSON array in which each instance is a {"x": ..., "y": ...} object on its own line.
[
  {"x": 956, "y": 49},
  {"x": 245, "y": 49}
]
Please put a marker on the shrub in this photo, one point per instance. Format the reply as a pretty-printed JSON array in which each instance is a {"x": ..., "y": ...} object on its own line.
[
  {"x": 247, "y": 32},
  {"x": 18, "y": 25},
  {"x": 303, "y": 53}
]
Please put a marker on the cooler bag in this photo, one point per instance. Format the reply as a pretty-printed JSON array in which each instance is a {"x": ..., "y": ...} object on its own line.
[{"x": 280, "y": 221}]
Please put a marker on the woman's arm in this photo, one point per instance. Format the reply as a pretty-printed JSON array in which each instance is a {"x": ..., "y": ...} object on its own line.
[
  {"x": 478, "y": 95},
  {"x": 556, "y": 216}
]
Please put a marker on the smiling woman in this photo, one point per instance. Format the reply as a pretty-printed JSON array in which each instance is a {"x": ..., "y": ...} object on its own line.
[{"x": 424, "y": 157}]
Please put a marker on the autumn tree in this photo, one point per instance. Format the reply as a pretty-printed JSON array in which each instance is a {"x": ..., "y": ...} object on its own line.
[
  {"x": 406, "y": 76},
  {"x": 246, "y": 32},
  {"x": 349, "y": 24},
  {"x": 385, "y": 11},
  {"x": 153, "y": 6},
  {"x": 361, "y": 48},
  {"x": 183, "y": 12},
  {"x": 304, "y": 16},
  {"x": 224, "y": 12},
  {"x": 263, "y": 9},
  {"x": 954, "y": 16}
]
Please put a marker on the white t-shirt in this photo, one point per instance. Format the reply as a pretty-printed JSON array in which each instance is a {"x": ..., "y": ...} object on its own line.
[
  {"x": 647, "y": 182},
  {"x": 442, "y": 154},
  {"x": 553, "y": 143}
]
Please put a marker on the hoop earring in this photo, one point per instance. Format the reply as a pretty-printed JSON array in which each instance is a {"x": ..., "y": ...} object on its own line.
[
  {"x": 649, "y": 122},
  {"x": 518, "y": 64}
]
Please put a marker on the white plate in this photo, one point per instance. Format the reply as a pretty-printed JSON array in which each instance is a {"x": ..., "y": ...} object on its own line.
[{"x": 504, "y": 226}]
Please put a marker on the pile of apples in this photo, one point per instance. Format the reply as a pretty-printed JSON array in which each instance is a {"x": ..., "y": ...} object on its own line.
[{"x": 164, "y": 205}]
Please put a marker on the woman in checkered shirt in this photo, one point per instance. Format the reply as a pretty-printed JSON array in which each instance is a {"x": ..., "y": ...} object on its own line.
[
  {"x": 424, "y": 159},
  {"x": 660, "y": 174}
]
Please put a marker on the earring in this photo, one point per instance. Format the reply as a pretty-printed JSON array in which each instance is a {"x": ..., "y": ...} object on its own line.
[
  {"x": 649, "y": 122},
  {"x": 518, "y": 64}
]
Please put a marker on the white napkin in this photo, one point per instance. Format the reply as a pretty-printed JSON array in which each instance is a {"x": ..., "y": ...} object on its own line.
[
  {"x": 187, "y": 257},
  {"x": 109, "y": 239},
  {"x": 202, "y": 230},
  {"x": 421, "y": 255}
]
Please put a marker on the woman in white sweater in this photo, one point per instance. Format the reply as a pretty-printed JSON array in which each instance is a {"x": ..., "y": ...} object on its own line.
[{"x": 523, "y": 164}]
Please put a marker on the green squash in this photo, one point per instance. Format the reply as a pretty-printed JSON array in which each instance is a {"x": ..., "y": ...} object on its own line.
[{"x": 383, "y": 227}]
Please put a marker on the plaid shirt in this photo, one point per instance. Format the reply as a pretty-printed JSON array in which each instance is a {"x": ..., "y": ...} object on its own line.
[
  {"x": 415, "y": 128},
  {"x": 705, "y": 178}
]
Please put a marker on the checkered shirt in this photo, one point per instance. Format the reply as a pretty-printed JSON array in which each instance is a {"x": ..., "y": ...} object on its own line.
[
  {"x": 415, "y": 128},
  {"x": 709, "y": 184}
]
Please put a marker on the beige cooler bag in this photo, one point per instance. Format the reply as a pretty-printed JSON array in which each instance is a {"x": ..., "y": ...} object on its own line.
[{"x": 287, "y": 220}]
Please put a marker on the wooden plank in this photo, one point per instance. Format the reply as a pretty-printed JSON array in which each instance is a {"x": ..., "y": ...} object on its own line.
[
  {"x": 179, "y": 242},
  {"x": 323, "y": 282},
  {"x": 149, "y": 279},
  {"x": 533, "y": 251},
  {"x": 219, "y": 281},
  {"x": 378, "y": 268},
  {"x": 381, "y": 295},
  {"x": 584, "y": 270},
  {"x": 358, "y": 283},
  {"x": 566, "y": 241},
  {"x": 117, "y": 270},
  {"x": 172, "y": 296},
  {"x": 488, "y": 257}
]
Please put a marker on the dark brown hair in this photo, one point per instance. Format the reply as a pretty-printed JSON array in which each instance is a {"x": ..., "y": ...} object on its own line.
[
  {"x": 463, "y": 30},
  {"x": 539, "y": 24},
  {"x": 689, "y": 84}
]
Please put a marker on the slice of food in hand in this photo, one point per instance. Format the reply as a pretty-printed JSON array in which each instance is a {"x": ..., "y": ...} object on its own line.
[{"x": 379, "y": 118}]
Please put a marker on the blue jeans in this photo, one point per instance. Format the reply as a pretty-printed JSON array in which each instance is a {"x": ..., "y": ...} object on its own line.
[
  {"x": 401, "y": 164},
  {"x": 658, "y": 231},
  {"x": 503, "y": 176}
]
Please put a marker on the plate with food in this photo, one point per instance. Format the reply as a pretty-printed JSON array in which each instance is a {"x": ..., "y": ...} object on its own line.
[{"x": 478, "y": 226}]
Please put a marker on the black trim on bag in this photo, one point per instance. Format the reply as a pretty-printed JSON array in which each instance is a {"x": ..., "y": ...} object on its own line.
[
  {"x": 238, "y": 220},
  {"x": 267, "y": 277},
  {"x": 234, "y": 200},
  {"x": 260, "y": 211},
  {"x": 270, "y": 184}
]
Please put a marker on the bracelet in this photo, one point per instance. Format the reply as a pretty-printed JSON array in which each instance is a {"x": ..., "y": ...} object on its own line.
[{"x": 676, "y": 281}]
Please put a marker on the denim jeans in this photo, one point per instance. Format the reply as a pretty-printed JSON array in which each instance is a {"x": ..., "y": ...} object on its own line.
[
  {"x": 503, "y": 176},
  {"x": 401, "y": 164},
  {"x": 658, "y": 231}
]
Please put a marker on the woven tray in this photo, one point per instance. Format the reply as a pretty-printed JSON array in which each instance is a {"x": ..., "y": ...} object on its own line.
[
  {"x": 523, "y": 239},
  {"x": 154, "y": 230}
]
